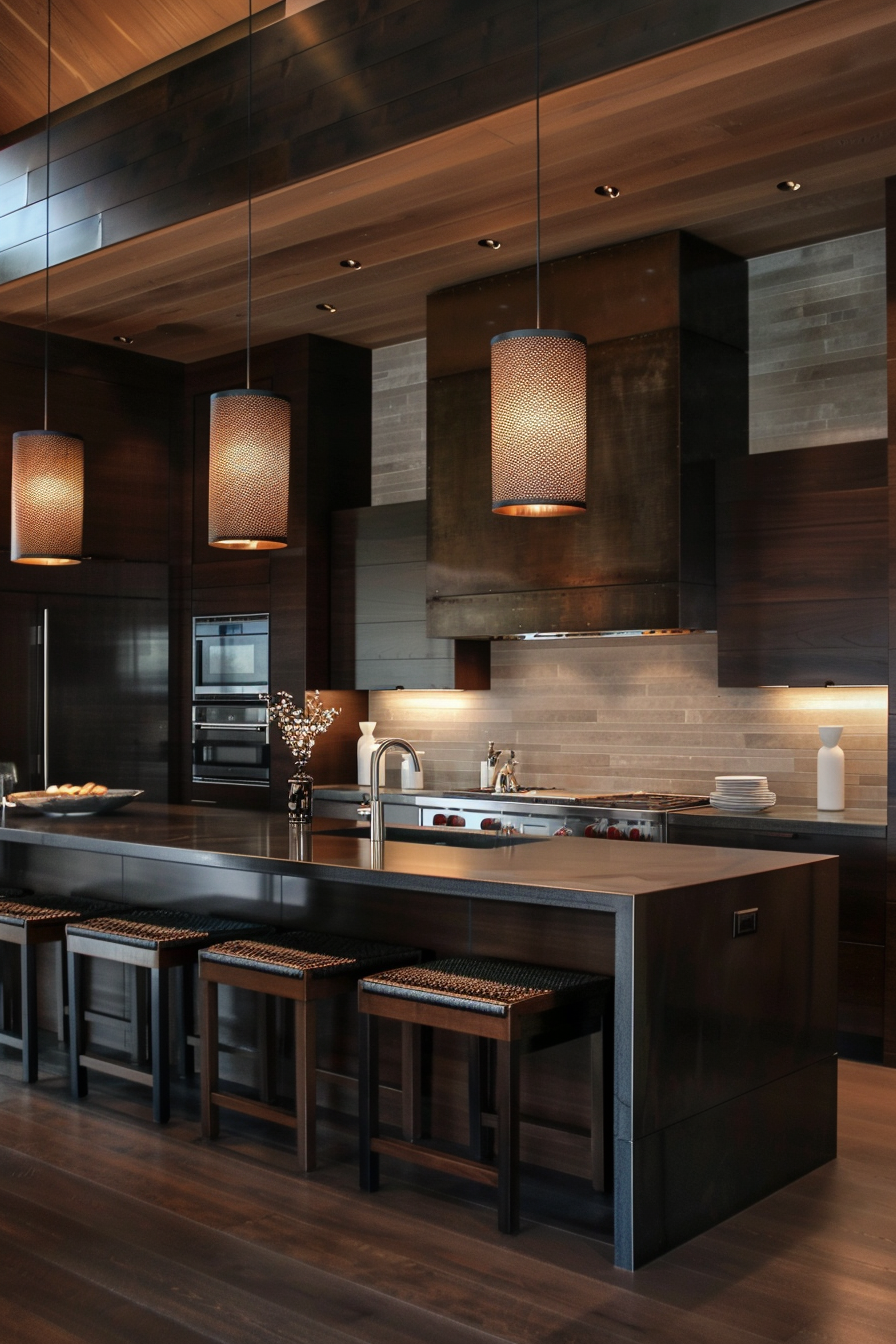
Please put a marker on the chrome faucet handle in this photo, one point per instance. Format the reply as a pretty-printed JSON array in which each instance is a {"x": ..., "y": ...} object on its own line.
[{"x": 364, "y": 810}]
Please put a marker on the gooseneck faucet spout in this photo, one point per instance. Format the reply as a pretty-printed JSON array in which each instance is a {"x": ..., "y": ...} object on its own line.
[{"x": 377, "y": 829}]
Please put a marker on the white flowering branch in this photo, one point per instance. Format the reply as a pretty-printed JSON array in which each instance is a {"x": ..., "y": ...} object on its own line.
[{"x": 300, "y": 728}]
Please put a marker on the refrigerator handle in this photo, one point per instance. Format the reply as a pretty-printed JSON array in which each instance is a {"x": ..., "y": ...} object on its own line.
[{"x": 45, "y": 696}]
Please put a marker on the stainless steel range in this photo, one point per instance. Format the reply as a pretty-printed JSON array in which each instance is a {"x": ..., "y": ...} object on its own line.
[{"x": 598, "y": 816}]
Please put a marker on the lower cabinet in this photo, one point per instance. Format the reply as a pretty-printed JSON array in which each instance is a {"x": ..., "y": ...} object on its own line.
[{"x": 863, "y": 911}]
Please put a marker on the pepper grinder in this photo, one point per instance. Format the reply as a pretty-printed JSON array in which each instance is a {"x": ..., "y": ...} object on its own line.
[{"x": 831, "y": 771}]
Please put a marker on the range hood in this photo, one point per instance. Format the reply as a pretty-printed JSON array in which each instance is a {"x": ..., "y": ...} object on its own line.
[{"x": 666, "y": 323}]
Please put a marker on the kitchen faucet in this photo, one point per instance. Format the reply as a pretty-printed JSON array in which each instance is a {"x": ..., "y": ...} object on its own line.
[{"x": 376, "y": 806}]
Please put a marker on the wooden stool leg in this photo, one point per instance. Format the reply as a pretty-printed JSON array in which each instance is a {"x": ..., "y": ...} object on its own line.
[
  {"x": 184, "y": 1029},
  {"x": 208, "y": 1031},
  {"x": 508, "y": 1104},
  {"x": 61, "y": 993},
  {"x": 77, "y": 1072},
  {"x": 368, "y": 1099},
  {"x": 411, "y": 1107},
  {"x": 29, "y": 1013},
  {"x": 480, "y": 1098},
  {"x": 306, "y": 1084},
  {"x": 161, "y": 1089},
  {"x": 267, "y": 1048}
]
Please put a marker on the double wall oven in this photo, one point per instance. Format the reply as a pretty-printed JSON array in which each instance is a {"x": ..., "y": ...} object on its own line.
[{"x": 231, "y": 662}]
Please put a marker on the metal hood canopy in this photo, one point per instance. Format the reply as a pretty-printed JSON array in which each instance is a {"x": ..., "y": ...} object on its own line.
[{"x": 665, "y": 319}]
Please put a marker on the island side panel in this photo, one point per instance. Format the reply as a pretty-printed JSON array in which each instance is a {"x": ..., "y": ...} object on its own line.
[{"x": 734, "y": 1064}]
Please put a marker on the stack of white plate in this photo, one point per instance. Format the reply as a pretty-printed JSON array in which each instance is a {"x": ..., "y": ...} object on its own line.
[{"x": 742, "y": 793}]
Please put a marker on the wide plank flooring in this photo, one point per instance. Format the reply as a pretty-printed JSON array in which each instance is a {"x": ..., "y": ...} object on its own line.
[{"x": 114, "y": 1230}]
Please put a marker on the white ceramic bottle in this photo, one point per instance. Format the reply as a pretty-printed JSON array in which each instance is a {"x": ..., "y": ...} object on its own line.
[
  {"x": 366, "y": 745},
  {"x": 831, "y": 771}
]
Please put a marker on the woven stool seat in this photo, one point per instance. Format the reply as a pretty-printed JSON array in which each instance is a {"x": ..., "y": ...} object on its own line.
[
  {"x": 39, "y": 909},
  {"x": 308, "y": 954},
  {"x": 155, "y": 928},
  {"x": 478, "y": 984}
]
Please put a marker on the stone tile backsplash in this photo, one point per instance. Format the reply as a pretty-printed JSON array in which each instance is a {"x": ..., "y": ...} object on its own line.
[{"x": 603, "y": 714}]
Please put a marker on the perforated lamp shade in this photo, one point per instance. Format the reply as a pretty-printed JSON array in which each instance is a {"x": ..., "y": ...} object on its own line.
[
  {"x": 47, "y": 498},
  {"x": 539, "y": 447},
  {"x": 248, "y": 470}
]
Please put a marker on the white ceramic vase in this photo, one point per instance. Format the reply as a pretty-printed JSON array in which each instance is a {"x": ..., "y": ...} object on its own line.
[
  {"x": 831, "y": 771},
  {"x": 366, "y": 746}
]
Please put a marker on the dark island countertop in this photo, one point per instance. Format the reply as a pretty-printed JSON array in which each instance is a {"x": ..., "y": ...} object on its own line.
[{"x": 566, "y": 871}]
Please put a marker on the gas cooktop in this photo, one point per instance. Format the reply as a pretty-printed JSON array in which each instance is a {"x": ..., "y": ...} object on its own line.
[{"x": 652, "y": 802}]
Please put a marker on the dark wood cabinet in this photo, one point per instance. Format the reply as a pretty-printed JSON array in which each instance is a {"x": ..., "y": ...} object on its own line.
[
  {"x": 106, "y": 692},
  {"x": 863, "y": 916},
  {"x": 379, "y": 639},
  {"x": 802, "y": 567}
]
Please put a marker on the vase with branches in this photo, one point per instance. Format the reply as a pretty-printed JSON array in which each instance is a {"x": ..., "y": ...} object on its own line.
[{"x": 300, "y": 727}]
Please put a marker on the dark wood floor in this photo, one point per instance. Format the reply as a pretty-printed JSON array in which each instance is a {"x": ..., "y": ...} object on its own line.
[{"x": 112, "y": 1230}]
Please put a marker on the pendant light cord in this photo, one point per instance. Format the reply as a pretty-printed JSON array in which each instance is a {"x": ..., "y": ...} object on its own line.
[
  {"x": 47, "y": 230},
  {"x": 537, "y": 163},
  {"x": 249, "y": 211}
]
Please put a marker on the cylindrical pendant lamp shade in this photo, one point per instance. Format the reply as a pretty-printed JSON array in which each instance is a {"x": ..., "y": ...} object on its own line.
[
  {"x": 539, "y": 447},
  {"x": 248, "y": 470},
  {"x": 47, "y": 498}
]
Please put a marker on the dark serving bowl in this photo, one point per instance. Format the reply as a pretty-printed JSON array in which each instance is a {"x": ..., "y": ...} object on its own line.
[{"x": 65, "y": 805}]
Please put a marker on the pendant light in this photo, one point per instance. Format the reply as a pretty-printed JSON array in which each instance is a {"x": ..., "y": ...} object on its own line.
[
  {"x": 539, "y": 397},
  {"x": 47, "y": 466},
  {"x": 248, "y": 467}
]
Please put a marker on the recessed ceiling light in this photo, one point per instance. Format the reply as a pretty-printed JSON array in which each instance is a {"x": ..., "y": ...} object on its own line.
[
  {"x": 489, "y": 242},
  {"x": 610, "y": 192},
  {"x": 124, "y": 340},
  {"x": 350, "y": 264},
  {"x": 326, "y": 307},
  {"x": 789, "y": 185}
]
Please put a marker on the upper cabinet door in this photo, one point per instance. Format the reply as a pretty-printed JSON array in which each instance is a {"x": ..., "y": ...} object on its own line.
[{"x": 802, "y": 567}]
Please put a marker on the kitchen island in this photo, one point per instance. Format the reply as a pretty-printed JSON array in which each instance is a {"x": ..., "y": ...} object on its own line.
[{"x": 725, "y": 1069}]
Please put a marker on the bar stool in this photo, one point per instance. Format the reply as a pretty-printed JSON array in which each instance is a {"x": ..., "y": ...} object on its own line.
[
  {"x": 155, "y": 940},
  {"x": 304, "y": 967},
  {"x": 27, "y": 920},
  {"x": 519, "y": 1008}
]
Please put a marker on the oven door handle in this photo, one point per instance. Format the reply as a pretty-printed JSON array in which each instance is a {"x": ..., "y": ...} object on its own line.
[{"x": 232, "y": 727}]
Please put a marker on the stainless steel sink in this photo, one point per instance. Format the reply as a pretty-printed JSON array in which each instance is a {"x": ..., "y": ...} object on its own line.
[{"x": 451, "y": 837}]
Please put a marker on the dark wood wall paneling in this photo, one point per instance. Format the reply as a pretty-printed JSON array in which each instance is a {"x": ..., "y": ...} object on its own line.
[
  {"x": 332, "y": 85},
  {"x": 329, "y": 387},
  {"x": 802, "y": 567},
  {"x": 108, "y": 616},
  {"x": 666, "y": 323}
]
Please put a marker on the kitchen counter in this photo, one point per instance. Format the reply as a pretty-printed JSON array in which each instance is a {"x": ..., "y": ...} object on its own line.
[
  {"x": 725, "y": 1069},
  {"x": 854, "y": 821}
]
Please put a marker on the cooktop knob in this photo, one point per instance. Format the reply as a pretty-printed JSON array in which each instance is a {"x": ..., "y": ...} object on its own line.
[
  {"x": 455, "y": 820},
  {"x": 440, "y": 819},
  {"x": 563, "y": 830}
]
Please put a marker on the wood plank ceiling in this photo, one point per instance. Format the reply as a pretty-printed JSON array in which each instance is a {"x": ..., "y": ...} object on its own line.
[
  {"x": 94, "y": 46},
  {"x": 695, "y": 139}
]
